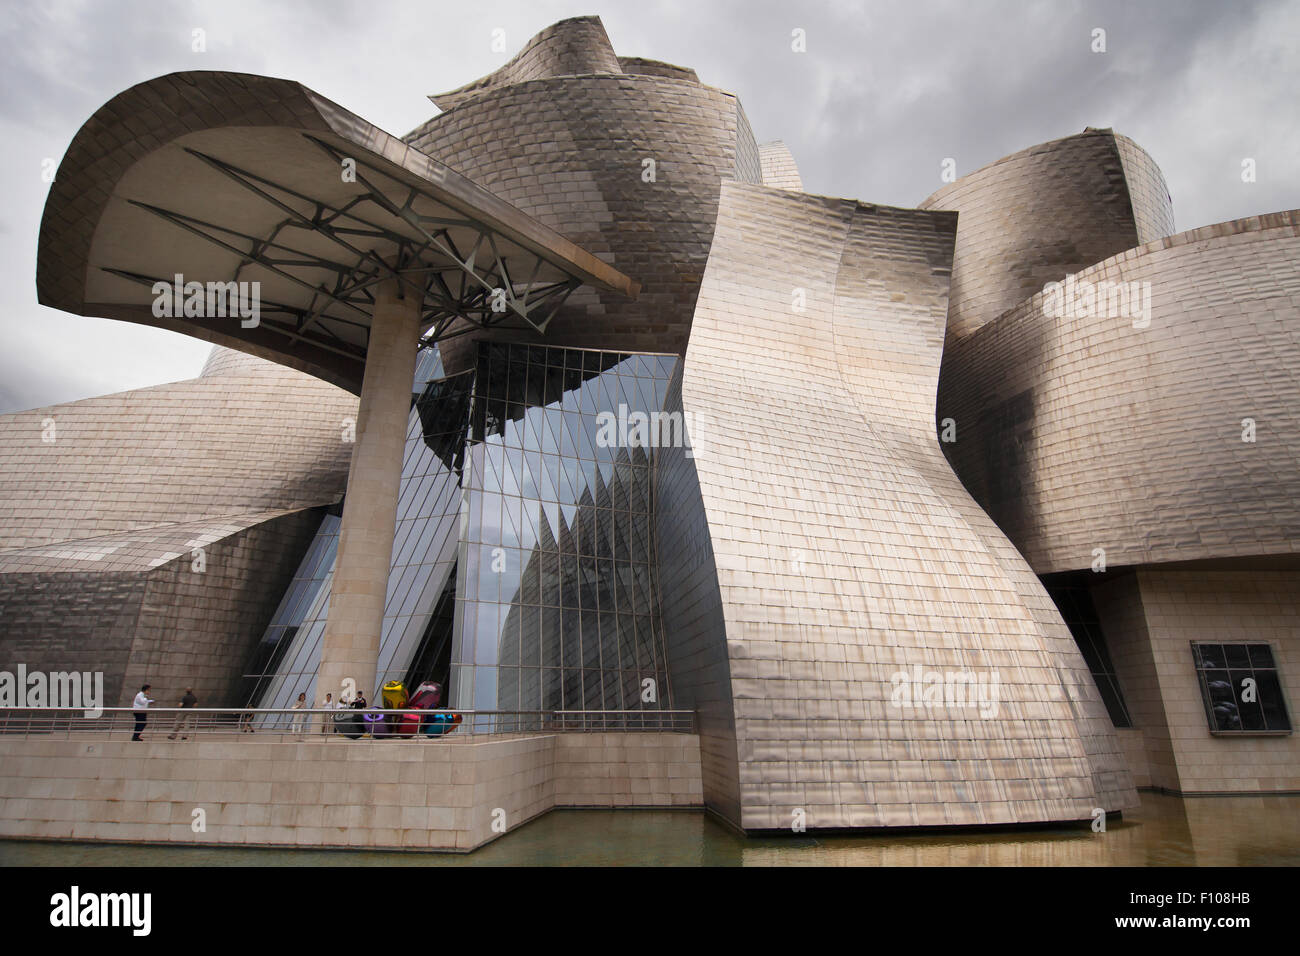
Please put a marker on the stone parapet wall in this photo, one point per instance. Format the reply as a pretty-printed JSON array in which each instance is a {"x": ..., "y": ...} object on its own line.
[{"x": 331, "y": 792}]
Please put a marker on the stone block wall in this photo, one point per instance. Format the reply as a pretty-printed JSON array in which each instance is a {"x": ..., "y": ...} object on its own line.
[{"x": 273, "y": 790}]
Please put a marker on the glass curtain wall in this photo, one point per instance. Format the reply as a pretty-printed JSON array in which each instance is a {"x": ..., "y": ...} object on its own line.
[
  {"x": 527, "y": 502},
  {"x": 558, "y": 604}
]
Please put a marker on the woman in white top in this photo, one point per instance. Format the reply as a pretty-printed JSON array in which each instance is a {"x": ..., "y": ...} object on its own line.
[{"x": 300, "y": 704}]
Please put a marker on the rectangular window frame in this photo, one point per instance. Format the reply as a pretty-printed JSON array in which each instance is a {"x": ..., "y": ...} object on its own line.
[{"x": 1207, "y": 698}]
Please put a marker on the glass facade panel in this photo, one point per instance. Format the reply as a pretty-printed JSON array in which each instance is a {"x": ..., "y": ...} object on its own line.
[
  {"x": 563, "y": 502},
  {"x": 523, "y": 548},
  {"x": 1076, "y": 607}
]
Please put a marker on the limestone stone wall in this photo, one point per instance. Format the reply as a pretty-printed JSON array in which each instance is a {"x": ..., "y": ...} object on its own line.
[
  {"x": 1153, "y": 657},
  {"x": 779, "y": 168},
  {"x": 331, "y": 792}
]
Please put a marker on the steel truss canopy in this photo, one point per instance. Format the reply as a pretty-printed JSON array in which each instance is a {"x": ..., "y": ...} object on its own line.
[{"x": 221, "y": 178}]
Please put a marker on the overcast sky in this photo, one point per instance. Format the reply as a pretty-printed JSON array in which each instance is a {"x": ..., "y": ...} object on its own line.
[{"x": 883, "y": 94}]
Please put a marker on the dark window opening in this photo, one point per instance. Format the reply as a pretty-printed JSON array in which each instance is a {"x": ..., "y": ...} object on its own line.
[
  {"x": 432, "y": 661},
  {"x": 1080, "y": 614},
  {"x": 1240, "y": 688}
]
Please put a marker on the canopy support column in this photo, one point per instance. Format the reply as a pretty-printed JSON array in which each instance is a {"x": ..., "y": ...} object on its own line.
[{"x": 350, "y": 648}]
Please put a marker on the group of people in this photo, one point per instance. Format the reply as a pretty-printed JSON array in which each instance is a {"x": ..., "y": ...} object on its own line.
[
  {"x": 183, "y": 722},
  {"x": 298, "y": 721}
]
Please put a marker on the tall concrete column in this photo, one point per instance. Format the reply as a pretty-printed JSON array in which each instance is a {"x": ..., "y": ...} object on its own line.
[{"x": 356, "y": 617}]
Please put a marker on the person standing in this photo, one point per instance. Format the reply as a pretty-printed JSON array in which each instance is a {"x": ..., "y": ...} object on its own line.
[
  {"x": 184, "y": 721},
  {"x": 327, "y": 720},
  {"x": 141, "y": 706},
  {"x": 299, "y": 704}
]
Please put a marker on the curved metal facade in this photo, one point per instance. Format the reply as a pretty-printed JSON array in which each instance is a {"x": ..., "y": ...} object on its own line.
[
  {"x": 1036, "y": 215},
  {"x": 1083, "y": 431},
  {"x": 572, "y": 47},
  {"x": 259, "y": 188},
  {"x": 236, "y": 441},
  {"x": 1153, "y": 207},
  {"x": 150, "y": 534},
  {"x": 846, "y": 551},
  {"x": 577, "y": 153}
]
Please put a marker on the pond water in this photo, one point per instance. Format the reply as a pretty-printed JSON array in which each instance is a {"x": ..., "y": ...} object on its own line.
[{"x": 1164, "y": 831}]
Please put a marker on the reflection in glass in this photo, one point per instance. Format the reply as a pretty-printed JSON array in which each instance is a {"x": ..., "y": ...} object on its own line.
[
  {"x": 523, "y": 574},
  {"x": 560, "y": 551},
  {"x": 1240, "y": 688}
]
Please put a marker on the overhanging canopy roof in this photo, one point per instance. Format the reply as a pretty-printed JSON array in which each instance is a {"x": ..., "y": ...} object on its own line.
[{"x": 222, "y": 177}]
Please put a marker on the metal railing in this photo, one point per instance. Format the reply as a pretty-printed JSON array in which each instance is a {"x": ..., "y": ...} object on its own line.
[{"x": 177, "y": 723}]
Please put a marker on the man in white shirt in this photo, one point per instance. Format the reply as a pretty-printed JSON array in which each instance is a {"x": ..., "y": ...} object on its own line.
[{"x": 141, "y": 706}]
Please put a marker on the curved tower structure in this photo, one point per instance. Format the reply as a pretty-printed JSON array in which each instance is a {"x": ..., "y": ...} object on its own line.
[
  {"x": 852, "y": 569},
  {"x": 625, "y": 158},
  {"x": 1110, "y": 411},
  {"x": 1120, "y": 401},
  {"x": 1039, "y": 214}
]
